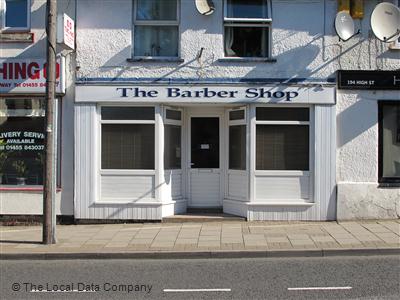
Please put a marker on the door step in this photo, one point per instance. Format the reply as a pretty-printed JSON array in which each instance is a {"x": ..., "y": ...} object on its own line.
[
  {"x": 202, "y": 217},
  {"x": 204, "y": 210}
]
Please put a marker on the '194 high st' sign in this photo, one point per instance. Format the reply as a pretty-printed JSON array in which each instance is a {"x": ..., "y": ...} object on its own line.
[{"x": 368, "y": 80}]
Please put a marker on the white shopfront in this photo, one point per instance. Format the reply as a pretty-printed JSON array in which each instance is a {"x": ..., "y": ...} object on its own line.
[{"x": 264, "y": 152}]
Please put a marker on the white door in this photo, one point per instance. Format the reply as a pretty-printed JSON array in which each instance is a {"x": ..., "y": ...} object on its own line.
[{"x": 205, "y": 161}]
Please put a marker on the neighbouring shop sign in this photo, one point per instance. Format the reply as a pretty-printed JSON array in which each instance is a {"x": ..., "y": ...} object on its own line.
[
  {"x": 370, "y": 80},
  {"x": 21, "y": 141},
  {"x": 66, "y": 31},
  {"x": 206, "y": 94},
  {"x": 28, "y": 76}
]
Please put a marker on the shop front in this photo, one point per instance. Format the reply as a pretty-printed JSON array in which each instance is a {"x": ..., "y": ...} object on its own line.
[
  {"x": 261, "y": 152},
  {"x": 368, "y": 109},
  {"x": 22, "y": 133}
]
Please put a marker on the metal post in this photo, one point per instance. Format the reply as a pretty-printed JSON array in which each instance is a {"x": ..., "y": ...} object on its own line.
[{"x": 50, "y": 175}]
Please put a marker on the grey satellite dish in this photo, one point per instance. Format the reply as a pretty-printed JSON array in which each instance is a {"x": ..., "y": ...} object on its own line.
[
  {"x": 205, "y": 7},
  {"x": 344, "y": 26},
  {"x": 385, "y": 22}
]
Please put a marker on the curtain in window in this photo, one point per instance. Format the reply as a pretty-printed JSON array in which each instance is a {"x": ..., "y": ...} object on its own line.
[
  {"x": 229, "y": 41},
  {"x": 156, "y": 41}
]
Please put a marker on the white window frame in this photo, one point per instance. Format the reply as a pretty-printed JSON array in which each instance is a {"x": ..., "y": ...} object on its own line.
[
  {"x": 294, "y": 123},
  {"x": 249, "y": 22},
  {"x": 3, "y": 12},
  {"x": 155, "y": 23}
]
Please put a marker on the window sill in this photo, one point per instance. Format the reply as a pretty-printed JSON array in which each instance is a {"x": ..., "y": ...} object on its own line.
[
  {"x": 247, "y": 59},
  {"x": 155, "y": 59},
  {"x": 16, "y": 37}
]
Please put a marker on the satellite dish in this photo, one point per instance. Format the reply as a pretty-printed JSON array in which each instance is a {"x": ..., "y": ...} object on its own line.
[
  {"x": 205, "y": 7},
  {"x": 385, "y": 22},
  {"x": 344, "y": 26}
]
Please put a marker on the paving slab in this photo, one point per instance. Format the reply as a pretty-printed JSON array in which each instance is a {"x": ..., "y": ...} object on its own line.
[{"x": 203, "y": 239}]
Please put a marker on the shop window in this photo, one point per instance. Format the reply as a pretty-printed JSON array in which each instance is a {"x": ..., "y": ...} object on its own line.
[
  {"x": 156, "y": 28},
  {"x": 247, "y": 28},
  {"x": 282, "y": 138},
  {"x": 173, "y": 139},
  {"x": 172, "y": 154},
  {"x": 237, "y": 147},
  {"x": 21, "y": 141},
  {"x": 237, "y": 139},
  {"x": 127, "y": 142},
  {"x": 16, "y": 14},
  {"x": 389, "y": 142}
]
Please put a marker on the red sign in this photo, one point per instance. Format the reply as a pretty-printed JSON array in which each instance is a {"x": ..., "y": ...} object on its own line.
[{"x": 28, "y": 76}]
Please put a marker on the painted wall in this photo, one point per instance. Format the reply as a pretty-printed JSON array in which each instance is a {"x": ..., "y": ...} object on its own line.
[
  {"x": 359, "y": 196},
  {"x": 304, "y": 44},
  {"x": 19, "y": 203}
]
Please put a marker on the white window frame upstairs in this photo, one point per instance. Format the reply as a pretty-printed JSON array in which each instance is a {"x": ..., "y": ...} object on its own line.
[
  {"x": 250, "y": 22},
  {"x": 3, "y": 12},
  {"x": 155, "y": 23}
]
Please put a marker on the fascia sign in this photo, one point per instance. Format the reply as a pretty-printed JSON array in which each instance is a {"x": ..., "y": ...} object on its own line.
[
  {"x": 205, "y": 94},
  {"x": 28, "y": 76}
]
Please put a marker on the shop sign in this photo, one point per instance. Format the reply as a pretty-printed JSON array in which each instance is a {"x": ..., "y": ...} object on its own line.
[
  {"x": 369, "y": 80},
  {"x": 21, "y": 141},
  {"x": 28, "y": 76},
  {"x": 205, "y": 94},
  {"x": 66, "y": 32}
]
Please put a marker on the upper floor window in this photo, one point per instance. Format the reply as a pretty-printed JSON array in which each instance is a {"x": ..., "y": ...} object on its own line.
[
  {"x": 247, "y": 28},
  {"x": 156, "y": 28},
  {"x": 15, "y": 14}
]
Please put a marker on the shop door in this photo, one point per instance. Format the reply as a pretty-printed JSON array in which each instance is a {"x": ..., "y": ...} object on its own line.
[{"x": 205, "y": 165}]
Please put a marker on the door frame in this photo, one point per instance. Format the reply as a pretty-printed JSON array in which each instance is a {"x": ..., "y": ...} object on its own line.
[{"x": 206, "y": 112}]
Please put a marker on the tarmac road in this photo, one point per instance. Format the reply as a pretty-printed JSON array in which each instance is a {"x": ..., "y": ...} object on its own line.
[{"x": 369, "y": 277}]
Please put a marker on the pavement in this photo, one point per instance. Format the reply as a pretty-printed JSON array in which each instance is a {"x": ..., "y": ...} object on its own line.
[{"x": 204, "y": 239}]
